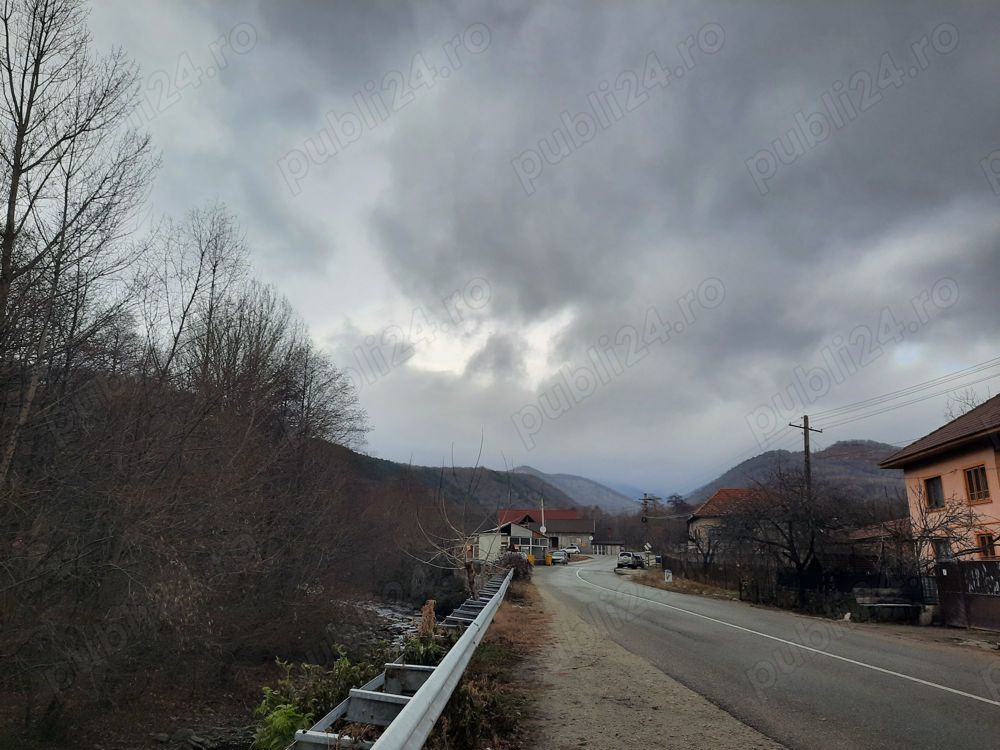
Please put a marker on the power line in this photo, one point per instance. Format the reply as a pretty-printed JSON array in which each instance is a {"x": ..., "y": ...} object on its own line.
[
  {"x": 839, "y": 414},
  {"x": 858, "y": 417},
  {"x": 899, "y": 393}
]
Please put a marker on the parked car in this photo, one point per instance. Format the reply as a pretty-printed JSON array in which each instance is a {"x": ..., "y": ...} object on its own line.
[
  {"x": 631, "y": 560},
  {"x": 559, "y": 557},
  {"x": 572, "y": 549}
]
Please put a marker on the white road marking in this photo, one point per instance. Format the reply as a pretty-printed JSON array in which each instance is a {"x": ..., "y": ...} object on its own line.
[{"x": 797, "y": 645}]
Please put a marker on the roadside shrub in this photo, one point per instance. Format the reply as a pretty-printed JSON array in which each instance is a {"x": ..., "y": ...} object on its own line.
[
  {"x": 429, "y": 650},
  {"x": 522, "y": 568},
  {"x": 304, "y": 693},
  {"x": 485, "y": 709},
  {"x": 278, "y": 728}
]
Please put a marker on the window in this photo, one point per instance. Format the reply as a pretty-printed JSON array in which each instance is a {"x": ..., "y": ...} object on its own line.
[
  {"x": 942, "y": 550},
  {"x": 975, "y": 485},
  {"x": 987, "y": 546},
  {"x": 934, "y": 493}
]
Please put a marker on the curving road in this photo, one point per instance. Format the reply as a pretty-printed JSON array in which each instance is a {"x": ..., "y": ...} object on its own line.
[{"x": 805, "y": 682}]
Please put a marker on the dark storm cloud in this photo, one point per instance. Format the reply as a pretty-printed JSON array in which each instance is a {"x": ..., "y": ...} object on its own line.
[
  {"x": 676, "y": 167},
  {"x": 501, "y": 357},
  {"x": 664, "y": 198}
]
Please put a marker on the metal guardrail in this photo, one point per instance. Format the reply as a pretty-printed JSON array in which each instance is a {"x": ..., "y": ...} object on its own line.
[{"x": 407, "y": 699}]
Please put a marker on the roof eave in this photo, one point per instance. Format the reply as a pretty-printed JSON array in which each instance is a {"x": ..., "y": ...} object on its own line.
[{"x": 920, "y": 456}]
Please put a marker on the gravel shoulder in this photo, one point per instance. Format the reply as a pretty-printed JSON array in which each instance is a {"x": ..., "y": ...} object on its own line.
[{"x": 594, "y": 694}]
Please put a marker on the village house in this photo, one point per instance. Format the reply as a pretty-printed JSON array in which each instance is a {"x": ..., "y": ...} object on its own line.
[
  {"x": 955, "y": 467},
  {"x": 563, "y": 526},
  {"x": 704, "y": 524},
  {"x": 490, "y": 545}
]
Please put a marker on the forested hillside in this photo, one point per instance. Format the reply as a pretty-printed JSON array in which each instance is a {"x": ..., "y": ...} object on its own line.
[
  {"x": 849, "y": 466},
  {"x": 584, "y": 491}
]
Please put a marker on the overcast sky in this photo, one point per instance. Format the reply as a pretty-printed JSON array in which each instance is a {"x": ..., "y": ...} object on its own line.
[{"x": 613, "y": 232}]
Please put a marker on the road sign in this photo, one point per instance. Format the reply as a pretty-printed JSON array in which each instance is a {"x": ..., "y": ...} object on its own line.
[
  {"x": 668, "y": 576},
  {"x": 541, "y": 530},
  {"x": 648, "y": 547}
]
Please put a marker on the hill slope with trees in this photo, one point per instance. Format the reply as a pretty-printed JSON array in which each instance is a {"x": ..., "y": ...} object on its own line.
[
  {"x": 584, "y": 491},
  {"x": 849, "y": 465}
]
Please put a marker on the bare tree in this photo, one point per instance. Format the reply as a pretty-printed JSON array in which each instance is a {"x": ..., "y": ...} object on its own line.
[
  {"x": 72, "y": 177},
  {"x": 165, "y": 473},
  {"x": 952, "y": 526},
  {"x": 707, "y": 542},
  {"x": 446, "y": 542},
  {"x": 780, "y": 519},
  {"x": 963, "y": 401}
]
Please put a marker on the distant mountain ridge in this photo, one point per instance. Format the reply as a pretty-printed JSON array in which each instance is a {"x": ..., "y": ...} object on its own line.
[
  {"x": 850, "y": 464},
  {"x": 486, "y": 489},
  {"x": 583, "y": 491},
  {"x": 628, "y": 490}
]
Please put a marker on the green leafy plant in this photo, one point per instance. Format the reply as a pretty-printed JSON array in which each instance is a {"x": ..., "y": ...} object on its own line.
[
  {"x": 277, "y": 729},
  {"x": 305, "y": 692},
  {"x": 429, "y": 650}
]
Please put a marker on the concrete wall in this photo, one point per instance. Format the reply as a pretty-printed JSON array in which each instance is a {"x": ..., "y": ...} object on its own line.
[{"x": 491, "y": 546}]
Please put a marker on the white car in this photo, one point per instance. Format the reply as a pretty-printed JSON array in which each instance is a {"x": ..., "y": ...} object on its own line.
[
  {"x": 559, "y": 557},
  {"x": 631, "y": 560},
  {"x": 572, "y": 549}
]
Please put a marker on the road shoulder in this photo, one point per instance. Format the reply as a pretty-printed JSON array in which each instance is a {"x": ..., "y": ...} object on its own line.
[{"x": 593, "y": 693}]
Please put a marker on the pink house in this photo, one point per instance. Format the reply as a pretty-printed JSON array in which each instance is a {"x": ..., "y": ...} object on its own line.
[{"x": 952, "y": 485}]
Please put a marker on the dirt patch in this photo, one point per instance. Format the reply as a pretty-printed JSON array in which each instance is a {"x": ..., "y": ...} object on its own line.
[
  {"x": 596, "y": 695},
  {"x": 654, "y": 578}
]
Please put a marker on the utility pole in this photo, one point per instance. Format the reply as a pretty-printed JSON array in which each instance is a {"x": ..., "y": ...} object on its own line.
[
  {"x": 806, "y": 429},
  {"x": 646, "y": 500}
]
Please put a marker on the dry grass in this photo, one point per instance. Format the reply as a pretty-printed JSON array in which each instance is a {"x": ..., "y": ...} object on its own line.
[
  {"x": 654, "y": 578},
  {"x": 427, "y": 619},
  {"x": 521, "y": 622},
  {"x": 487, "y": 709}
]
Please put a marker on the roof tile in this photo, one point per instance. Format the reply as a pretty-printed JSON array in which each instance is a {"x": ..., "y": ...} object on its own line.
[{"x": 724, "y": 501}]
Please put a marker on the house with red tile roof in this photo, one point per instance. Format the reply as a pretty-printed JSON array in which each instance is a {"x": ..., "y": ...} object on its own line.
[
  {"x": 706, "y": 519},
  {"x": 723, "y": 502},
  {"x": 956, "y": 464}
]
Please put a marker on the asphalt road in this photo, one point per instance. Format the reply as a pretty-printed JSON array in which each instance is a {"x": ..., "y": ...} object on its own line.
[{"x": 805, "y": 682}]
